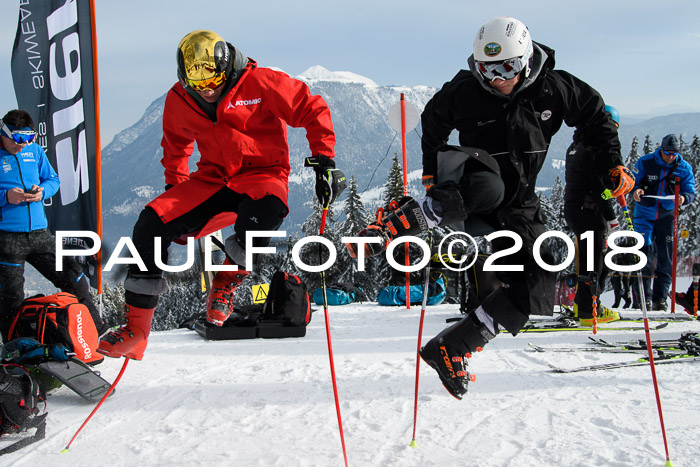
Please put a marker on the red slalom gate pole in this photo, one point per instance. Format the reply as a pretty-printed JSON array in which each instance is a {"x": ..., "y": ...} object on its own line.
[
  {"x": 328, "y": 338},
  {"x": 676, "y": 208},
  {"x": 642, "y": 300},
  {"x": 405, "y": 193},
  {"x": 109, "y": 391},
  {"x": 426, "y": 283}
]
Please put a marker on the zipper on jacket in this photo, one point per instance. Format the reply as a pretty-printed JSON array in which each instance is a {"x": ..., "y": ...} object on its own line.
[{"x": 24, "y": 187}]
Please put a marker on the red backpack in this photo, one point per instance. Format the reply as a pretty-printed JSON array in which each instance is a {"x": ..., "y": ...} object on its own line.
[{"x": 58, "y": 319}]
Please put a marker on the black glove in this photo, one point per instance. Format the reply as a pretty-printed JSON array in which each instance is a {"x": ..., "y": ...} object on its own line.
[
  {"x": 329, "y": 185},
  {"x": 330, "y": 182},
  {"x": 319, "y": 162}
]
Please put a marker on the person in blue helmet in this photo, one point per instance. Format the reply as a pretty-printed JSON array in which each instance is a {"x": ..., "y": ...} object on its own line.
[
  {"x": 655, "y": 177},
  {"x": 585, "y": 209},
  {"x": 26, "y": 180}
]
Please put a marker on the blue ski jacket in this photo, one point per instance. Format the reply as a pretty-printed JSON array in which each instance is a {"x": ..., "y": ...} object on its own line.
[
  {"x": 28, "y": 167},
  {"x": 650, "y": 174}
]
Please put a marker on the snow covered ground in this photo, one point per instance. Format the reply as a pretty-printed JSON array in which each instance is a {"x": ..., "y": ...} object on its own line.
[{"x": 270, "y": 402}]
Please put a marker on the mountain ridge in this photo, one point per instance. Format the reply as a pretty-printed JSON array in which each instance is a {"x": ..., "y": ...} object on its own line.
[{"x": 133, "y": 175}]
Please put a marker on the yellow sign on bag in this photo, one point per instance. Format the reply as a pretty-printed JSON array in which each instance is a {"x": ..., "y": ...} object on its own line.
[{"x": 260, "y": 293}]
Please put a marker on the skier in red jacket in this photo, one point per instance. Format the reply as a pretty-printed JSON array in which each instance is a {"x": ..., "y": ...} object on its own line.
[{"x": 237, "y": 113}]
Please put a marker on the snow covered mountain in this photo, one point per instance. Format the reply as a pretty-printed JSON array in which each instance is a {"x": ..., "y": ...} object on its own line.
[{"x": 132, "y": 174}]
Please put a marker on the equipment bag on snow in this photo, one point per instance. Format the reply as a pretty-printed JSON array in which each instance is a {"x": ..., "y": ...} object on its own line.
[
  {"x": 396, "y": 295},
  {"x": 58, "y": 319},
  {"x": 285, "y": 313},
  {"x": 19, "y": 399},
  {"x": 287, "y": 300},
  {"x": 342, "y": 293}
]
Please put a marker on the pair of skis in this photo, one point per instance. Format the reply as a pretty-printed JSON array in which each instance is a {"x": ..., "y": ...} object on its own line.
[
  {"x": 573, "y": 325},
  {"x": 685, "y": 349}
]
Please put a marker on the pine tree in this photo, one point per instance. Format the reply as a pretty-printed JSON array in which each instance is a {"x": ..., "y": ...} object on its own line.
[
  {"x": 633, "y": 155},
  {"x": 632, "y": 158},
  {"x": 551, "y": 213},
  {"x": 356, "y": 216},
  {"x": 690, "y": 214},
  {"x": 393, "y": 189},
  {"x": 648, "y": 145},
  {"x": 557, "y": 201},
  {"x": 309, "y": 254}
]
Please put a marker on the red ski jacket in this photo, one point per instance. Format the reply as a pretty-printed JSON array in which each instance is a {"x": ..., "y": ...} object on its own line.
[{"x": 246, "y": 149}]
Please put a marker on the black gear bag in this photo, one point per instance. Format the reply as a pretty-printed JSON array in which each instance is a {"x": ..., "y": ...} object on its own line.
[
  {"x": 285, "y": 313},
  {"x": 19, "y": 398}
]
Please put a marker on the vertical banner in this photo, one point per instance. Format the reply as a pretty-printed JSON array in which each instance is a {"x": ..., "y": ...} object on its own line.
[{"x": 55, "y": 79}]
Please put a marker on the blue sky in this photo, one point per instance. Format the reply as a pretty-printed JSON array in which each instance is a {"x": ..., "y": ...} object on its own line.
[{"x": 643, "y": 56}]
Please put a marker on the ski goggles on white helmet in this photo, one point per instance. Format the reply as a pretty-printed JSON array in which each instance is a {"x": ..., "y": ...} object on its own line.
[
  {"x": 19, "y": 135},
  {"x": 504, "y": 70}
]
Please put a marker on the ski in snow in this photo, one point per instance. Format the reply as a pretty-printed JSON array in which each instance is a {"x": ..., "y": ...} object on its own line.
[
  {"x": 689, "y": 341},
  {"x": 660, "y": 360},
  {"x": 539, "y": 348},
  {"x": 555, "y": 327}
]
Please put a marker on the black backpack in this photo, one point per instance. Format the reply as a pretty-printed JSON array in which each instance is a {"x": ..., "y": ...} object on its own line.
[
  {"x": 19, "y": 398},
  {"x": 287, "y": 300}
]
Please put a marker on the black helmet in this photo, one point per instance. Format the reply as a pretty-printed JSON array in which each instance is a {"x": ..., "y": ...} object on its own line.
[{"x": 203, "y": 60}]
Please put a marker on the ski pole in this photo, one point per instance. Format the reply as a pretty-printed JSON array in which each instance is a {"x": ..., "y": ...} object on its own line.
[
  {"x": 109, "y": 391},
  {"x": 696, "y": 281},
  {"x": 405, "y": 193},
  {"x": 420, "y": 338},
  {"x": 642, "y": 300},
  {"x": 328, "y": 337},
  {"x": 674, "y": 262}
]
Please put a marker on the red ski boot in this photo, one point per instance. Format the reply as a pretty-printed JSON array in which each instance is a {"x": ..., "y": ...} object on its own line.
[
  {"x": 220, "y": 299},
  {"x": 131, "y": 339}
]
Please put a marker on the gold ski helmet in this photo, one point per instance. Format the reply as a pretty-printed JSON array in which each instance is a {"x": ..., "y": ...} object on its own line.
[{"x": 203, "y": 60}]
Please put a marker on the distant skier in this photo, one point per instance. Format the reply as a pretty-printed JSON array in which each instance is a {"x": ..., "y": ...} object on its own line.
[
  {"x": 585, "y": 210},
  {"x": 655, "y": 175},
  {"x": 26, "y": 180},
  {"x": 237, "y": 113},
  {"x": 509, "y": 104}
]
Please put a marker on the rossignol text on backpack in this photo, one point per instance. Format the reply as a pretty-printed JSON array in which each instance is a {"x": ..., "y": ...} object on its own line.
[
  {"x": 287, "y": 300},
  {"x": 58, "y": 319},
  {"x": 19, "y": 398}
]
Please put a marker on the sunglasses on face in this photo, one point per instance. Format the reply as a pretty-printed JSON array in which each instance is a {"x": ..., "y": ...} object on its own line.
[
  {"x": 670, "y": 153},
  {"x": 504, "y": 70},
  {"x": 19, "y": 136},
  {"x": 204, "y": 84}
]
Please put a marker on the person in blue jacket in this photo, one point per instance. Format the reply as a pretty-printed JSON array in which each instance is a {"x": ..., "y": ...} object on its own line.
[
  {"x": 655, "y": 177},
  {"x": 26, "y": 180}
]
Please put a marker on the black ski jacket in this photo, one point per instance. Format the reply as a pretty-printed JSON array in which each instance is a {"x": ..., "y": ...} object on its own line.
[{"x": 517, "y": 130}]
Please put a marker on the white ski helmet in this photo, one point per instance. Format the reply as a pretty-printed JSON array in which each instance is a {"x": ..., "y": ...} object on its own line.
[{"x": 502, "y": 39}]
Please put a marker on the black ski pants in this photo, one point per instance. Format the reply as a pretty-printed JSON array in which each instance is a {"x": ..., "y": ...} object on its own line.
[
  {"x": 582, "y": 216},
  {"x": 37, "y": 248},
  {"x": 143, "y": 288}
]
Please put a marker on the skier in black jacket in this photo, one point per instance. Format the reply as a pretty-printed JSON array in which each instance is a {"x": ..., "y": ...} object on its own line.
[
  {"x": 586, "y": 210},
  {"x": 509, "y": 104}
]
